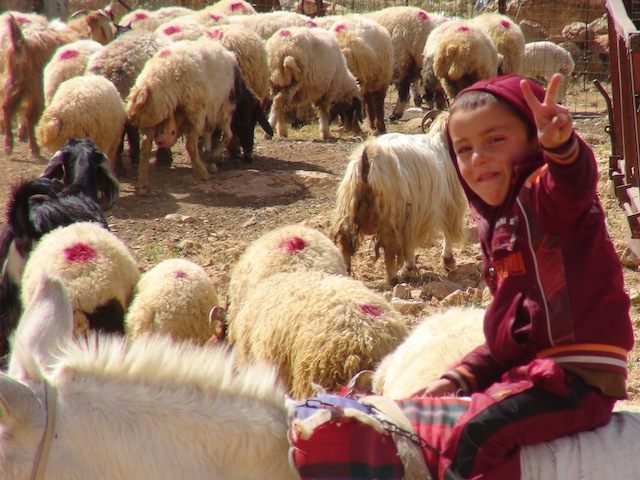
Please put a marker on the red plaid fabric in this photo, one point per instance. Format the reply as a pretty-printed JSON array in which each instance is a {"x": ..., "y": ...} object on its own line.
[{"x": 343, "y": 448}]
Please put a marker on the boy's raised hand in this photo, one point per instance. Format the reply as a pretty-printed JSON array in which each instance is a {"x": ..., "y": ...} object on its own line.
[{"x": 553, "y": 121}]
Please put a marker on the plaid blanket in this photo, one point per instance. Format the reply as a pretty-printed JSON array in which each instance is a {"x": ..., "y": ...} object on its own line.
[{"x": 338, "y": 438}]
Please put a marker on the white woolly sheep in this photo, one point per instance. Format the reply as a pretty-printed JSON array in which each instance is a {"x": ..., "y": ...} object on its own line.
[
  {"x": 251, "y": 53},
  {"x": 403, "y": 189},
  {"x": 173, "y": 298},
  {"x": 95, "y": 266},
  {"x": 207, "y": 18},
  {"x": 121, "y": 61},
  {"x": 543, "y": 59},
  {"x": 84, "y": 106},
  {"x": 432, "y": 347},
  {"x": 148, "y": 20},
  {"x": 409, "y": 28},
  {"x": 307, "y": 67},
  {"x": 28, "y": 51},
  {"x": 508, "y": 38},
  {"x": 315, "y": 328},
  {"x": 368, "y": 50},
  {"x": 192, "y": 79},
  {"x": 231, "y": 7},
  {"x": 182, "y": 28},
  {"x": 266, "y": 24},
  {"x": 456, "y": 55},
  {"x": 289, "y": 248},
  {"x": 67, "y": 62}
]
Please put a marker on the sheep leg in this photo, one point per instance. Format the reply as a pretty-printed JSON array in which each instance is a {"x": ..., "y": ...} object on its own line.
[
  {"x": 378, "y": 108},
  {"x": 277, "y": 115},
  {"x": 9, "y": 107},
  {"x": 324, "y": 120},
  {"x": 369, "y": 103},
  {"x": 32, "y": 114},
  {"x": 391, "y": 265},
  {"x": 143, "y": 165},
  {"x": 448, "y": 261},
  {"x": 403, "y": 99},
  {"x": 197, "y": 165}
]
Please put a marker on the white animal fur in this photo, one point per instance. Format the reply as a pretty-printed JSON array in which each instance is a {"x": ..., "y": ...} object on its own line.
[
  {"x": 199, "y": 416},
  {"x": 196, "y": 77},
  {"x": 316, "y": 328},
  {"x": 508, "y": 38},
  {"x": 403, "y": 189},
  {"x": 543, "y": 59},
  {"x": 306, "y": 67},
  {"x": 266, "y": 24},
  {"x": 432, "y": 347},
  {"x": 173, "y": 298},
  {"x": 289, "y": 248},
  {"x": 84, "y": 106}
]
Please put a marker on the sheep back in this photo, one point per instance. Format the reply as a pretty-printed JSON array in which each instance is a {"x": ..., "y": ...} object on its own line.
[
  {"x": 84, "y": 106},
  {"x": 68, "y": 61},
  {"x": 508, "y": 38},
  {"x": 181, "y": 28},
  {"x": 232, "y": 7},
  {"x": 266, "y": 24},
  {"x": 197, "y": 76},
  {"x": 94, "y": 265},
  {"x": 286, "y": 249},
  {"x": 436, "y": 344},
  {"x": 173, "y": 298},
  {"x": 316, "y": 328}
]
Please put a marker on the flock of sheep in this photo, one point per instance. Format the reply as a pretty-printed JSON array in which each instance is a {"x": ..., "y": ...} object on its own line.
[{"x": 211, "y": 76}]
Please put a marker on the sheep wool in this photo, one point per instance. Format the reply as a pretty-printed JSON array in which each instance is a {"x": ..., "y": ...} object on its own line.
[
  {"x": 316, "y": 328},
  {"x": 141, "y": 20},
  {"x": 543, "y": 59},
  {"x": 68, "y": 61},
  {"x": 307, "y": 67},
  {"x": 173, "y": 298},
  {"x": 181, "y": 28},
  {"x": 508, "y": 38},
  {"x": 251, "y": 53},
  {"x": 94, "y": 265},
  {"x": 266, "y": 24},
  {"x": 289, "y": 248},
  {"x": 84, "y": 106},
  {"x": 232, "y": 7},
  {"x": 196, "y": 76},
  {"x": 368, "y": 50},
  {"x": 434, "y": 345}
]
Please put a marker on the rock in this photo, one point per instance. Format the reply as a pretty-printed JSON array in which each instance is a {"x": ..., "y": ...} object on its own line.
[
  {"x": 177, "y": 217},
  {"x": 629, "y": 259},
  {"x": 252, "y": 221},
  {"x": 465, "y": 271},
  {"x": 457, "y": 298},
  {"x": 402, "y": 291},
  {"x": 486, "y": 297},
  {"x": 533, "y": 31},
  {"x": 408, "y": 307},
  {"x": 438, "y": 289},
  {"x": 634, "y": 296}
]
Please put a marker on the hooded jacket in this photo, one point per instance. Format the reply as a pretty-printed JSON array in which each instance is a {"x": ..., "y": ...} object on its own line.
[{"x": 556, "y": 280}]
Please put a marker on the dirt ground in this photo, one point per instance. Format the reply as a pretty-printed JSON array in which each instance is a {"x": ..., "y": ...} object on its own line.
[{"x": 291, "y": 180}]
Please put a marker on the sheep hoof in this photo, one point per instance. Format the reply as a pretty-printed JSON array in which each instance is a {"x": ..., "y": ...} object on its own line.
[
  {"x": 164, "y": 158},
  {"x": 247, "y": 158},
  {"x": 144, "y": 190},
  {"x": 395, "y": 117},
  {"x": 212, "y": 167},
  {"x": 393, "y": 281},
  {"x": 449, "y": 263},
  {"x": 267, "y": 136}
]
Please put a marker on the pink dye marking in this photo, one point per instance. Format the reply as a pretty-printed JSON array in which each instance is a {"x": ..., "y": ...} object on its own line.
[
  {"x": 293, "y": 244},
  {"x": 171, "y": 29},
  {"x": 80, "y": 253},
  {"x": 141, "y": 16},
  {"x": 67, "y": 54},
  {"x": 370, "y": 310},
  {"x": 423, "y": 16},
  {"x": 23, "y": 20},
  {"x": 216, "y": 34},
  {"x": 285, "y": 33},
  {"x": 339, "y": 27},
  {"x": 311, "y": 23},
  {"x": 215, "y": 17},
  {"x": 180, "y": 274},
  {"x": 236, "y": 6},
  {"x": 164, "y": 53},
  {"x": 505, "y": 23},
  {"x": 462, "y": 29}
]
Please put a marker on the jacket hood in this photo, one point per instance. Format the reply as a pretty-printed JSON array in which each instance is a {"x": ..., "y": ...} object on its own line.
[{"x": 507, "y": 88}]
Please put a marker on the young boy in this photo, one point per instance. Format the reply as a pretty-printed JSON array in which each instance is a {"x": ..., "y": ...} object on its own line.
[{"x": 558, "y": 329}]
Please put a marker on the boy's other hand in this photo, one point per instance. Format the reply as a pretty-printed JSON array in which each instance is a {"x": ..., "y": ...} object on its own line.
[
  {"x": 437, "y": 388},
  {"x": 553, "y": 121}
]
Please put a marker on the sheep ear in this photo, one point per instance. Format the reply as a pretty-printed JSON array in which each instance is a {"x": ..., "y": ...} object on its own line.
[
  {"x": 291, "y": 64},
  {"x": 45, "y": 324},
  {"x": 364, "y": 166},
  {"x": 107, "y": 184},
  {"x": 15, "y": 33},
  {"x": 16, "y": 401},
  {"x": 137, "y": 100},
  {"x": 55, "y": 167}
]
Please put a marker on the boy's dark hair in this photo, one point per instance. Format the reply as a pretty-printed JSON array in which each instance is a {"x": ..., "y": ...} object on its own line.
[{"x": 474, "y": 99}]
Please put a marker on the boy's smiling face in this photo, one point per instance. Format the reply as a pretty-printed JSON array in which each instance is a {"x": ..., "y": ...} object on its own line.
[{"x": 487, "y": 141}]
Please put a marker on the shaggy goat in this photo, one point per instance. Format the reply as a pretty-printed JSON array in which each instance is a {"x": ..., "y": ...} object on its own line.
[{"x": 402, "y": 189}]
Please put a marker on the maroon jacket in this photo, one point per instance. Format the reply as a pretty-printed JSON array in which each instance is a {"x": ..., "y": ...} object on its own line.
[{"x": 548, "y": 260}]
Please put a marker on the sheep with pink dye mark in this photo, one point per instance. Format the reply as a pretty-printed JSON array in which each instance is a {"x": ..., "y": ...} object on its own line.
[
  {"x": 290, "y": 248},
  {"x": 95, "y": 266},
  {"x": 508, "y": 38},
  {"x": 231, "y": 7},
  {"x": 316, "y": 328},
  {"x": 148, "y": 20},
  {"x": 173, "y": 298},
  {"x": 266, "y": 24}
]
